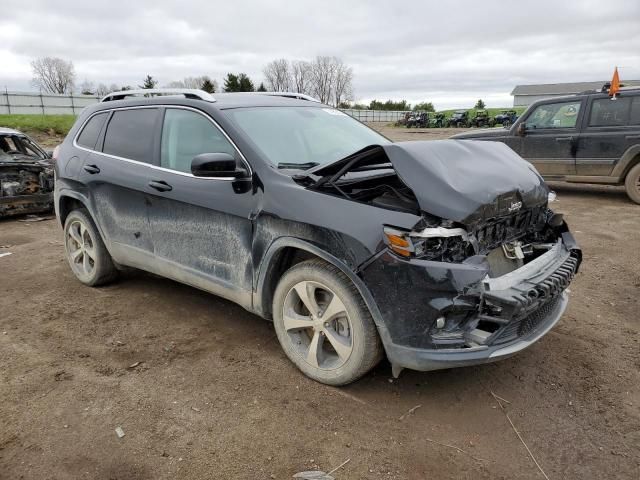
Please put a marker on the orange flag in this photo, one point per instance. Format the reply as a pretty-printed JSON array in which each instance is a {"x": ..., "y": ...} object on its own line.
[{"x": 615, "y": 83}]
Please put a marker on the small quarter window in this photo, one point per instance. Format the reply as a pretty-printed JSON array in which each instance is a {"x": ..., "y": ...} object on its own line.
[
  {"x": 634, "y": 117},
  {"x": 91, "y": 131},
  {"x": 186, "y": 134},
  {"x": 609, "y": 113},
  {"x": 130, "y": 134}
]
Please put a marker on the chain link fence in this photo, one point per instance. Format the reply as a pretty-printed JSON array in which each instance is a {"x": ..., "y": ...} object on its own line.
[{"x": 44, "y": 103}]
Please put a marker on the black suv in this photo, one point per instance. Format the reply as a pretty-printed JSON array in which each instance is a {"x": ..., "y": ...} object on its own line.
[
  {"x": 439, "y": 254},
  {"x": 584, "y": 138}
]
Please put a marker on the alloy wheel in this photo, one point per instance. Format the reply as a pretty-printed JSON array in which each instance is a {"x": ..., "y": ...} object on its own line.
[
  {"x": 317, "y": 325},
  {"x": 81, "y": 249}
]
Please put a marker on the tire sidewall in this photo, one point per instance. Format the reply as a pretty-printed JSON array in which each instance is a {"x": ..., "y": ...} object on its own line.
[
  {"x": 100, "y": 250},
  {"x": 360, "y": 322},
  {"x": 630, "y": 184}
]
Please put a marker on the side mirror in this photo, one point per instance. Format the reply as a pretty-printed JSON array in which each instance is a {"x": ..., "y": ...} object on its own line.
[
  {"x": 215, "y": 165},
  {"x": 522, "y": 129}
]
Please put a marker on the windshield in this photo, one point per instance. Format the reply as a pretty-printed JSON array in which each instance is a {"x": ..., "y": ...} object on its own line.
[{"x": 303, "y": 137}]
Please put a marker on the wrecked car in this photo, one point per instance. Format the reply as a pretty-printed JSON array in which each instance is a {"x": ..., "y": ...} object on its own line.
[
  {"x": 438, "y": 254},
  {"x": 26, "y": 175}
]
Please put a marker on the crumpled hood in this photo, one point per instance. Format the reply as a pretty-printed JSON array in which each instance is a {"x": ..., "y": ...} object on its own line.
[{"x": 467, "y": 181}]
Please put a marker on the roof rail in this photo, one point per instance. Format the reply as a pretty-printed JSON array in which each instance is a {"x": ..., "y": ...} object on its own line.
[
  {"x": 187, "y": 92},
  {"x": 299, "y": 96}
]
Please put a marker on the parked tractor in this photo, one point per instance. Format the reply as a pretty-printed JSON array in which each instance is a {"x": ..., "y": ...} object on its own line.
[
  {"x": 418, "y": 120},
  {"x": 460, "y": 118},
  {"x": 506, "y": 118},
  {"x": 403, "y": 121},
  {"x": 482, "y": 119},
  {"x": 437, "y": 120}
]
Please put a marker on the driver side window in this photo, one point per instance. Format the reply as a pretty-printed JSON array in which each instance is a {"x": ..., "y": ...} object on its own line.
[
  {"x": 186, "y": 134},
  {"x": 554, "y": 115}
]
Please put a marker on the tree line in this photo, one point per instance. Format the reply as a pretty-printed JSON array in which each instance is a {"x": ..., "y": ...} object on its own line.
[{"x": 326, "y": 78}]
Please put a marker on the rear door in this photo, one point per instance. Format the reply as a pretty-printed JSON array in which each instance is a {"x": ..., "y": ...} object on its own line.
[
  {"x": 608, "y": 132},
  {"x": 201, "y": 227},
  {"x": 551, "y": 138},
  {"x": 116, "y": 175}
]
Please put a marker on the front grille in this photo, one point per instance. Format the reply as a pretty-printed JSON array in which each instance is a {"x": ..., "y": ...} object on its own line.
[
  {"x": 537, "y": 303},
  {"x": 506, "y": 229},
  {"x": 521, "y": 327}
]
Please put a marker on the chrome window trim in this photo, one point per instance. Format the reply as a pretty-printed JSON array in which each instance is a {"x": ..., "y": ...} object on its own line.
[{"x": 157, "y": 167}]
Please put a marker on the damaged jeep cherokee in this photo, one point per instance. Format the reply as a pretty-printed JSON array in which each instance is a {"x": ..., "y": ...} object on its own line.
[{"x": 438, "y": 254}]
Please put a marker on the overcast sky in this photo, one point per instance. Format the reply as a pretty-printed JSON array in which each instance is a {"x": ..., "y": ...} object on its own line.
[{"x": 451, "y": 53}]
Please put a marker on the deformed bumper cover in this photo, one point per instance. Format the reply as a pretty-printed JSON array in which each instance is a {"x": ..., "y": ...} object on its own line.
[
  {"x": 426, "y": 360},
  {"x": 412, "y": 294}
]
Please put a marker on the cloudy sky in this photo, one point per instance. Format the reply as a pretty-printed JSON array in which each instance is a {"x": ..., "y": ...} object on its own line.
[{"x": 451, "y": 53}]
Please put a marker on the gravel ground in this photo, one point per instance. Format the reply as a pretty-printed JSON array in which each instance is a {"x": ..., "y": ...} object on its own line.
[{"x": 202, "y": 390}]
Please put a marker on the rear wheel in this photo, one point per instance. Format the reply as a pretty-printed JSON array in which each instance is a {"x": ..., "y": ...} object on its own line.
[
  {"x": 632, "y": 183},
  {"x": 323, "y": 325},
  {"x": 87, "y": 256}
]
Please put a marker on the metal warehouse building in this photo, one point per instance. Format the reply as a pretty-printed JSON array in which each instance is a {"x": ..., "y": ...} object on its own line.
[{"x": 525, "y": 95}]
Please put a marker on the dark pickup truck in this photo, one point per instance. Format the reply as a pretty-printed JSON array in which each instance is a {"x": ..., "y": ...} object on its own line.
[{"x": 583, "y": 138}]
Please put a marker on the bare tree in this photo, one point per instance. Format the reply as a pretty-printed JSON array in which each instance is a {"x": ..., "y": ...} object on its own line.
[
  {"x": 87, "y": 88},
  {"x": 342, "y": 86},
  {"x": 277, "y": 75},
  {"x": 53, "y": 75},
  {"x": 102, "y": 89},
  {"x": 323, "y": 72},
  {"x": 301, "y": 76}
]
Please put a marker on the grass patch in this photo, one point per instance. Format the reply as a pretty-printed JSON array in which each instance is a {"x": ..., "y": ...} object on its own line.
[{"x": 59, "y": 124}]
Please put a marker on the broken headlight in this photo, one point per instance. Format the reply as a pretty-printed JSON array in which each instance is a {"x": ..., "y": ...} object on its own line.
[{"x": 436, "y": 243}]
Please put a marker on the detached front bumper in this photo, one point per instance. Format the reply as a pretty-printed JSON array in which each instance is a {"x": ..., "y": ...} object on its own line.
[{"x": 485, "y": 319}]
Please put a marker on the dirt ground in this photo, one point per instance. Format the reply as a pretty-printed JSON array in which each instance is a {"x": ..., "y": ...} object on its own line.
[{"x": 202, "y": 390}]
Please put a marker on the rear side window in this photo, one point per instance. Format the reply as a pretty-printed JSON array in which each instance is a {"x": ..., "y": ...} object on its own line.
[
  {"x": 130, "y": 134},
  {"x": 186, "y": 134},
  {"x": 609, "y": 113},
  {"x": 634, "y": 117},
  {"x": 89, "y": 135}
]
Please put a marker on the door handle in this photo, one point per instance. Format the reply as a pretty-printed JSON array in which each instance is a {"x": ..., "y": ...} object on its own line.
[
  {"x": 91, "y": 169},
  {"x": 564, "y": 139},
  {"x": 160, "y": 185}
]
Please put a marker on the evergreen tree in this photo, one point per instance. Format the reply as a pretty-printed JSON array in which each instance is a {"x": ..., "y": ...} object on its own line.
[
  {"x": 480, "y": 105},
  {"x": 261, "y": 88},
  {"x": 231, "y": 83},
  {"x": 148, "y": 82},
  {"x": 208, "y": 86},
  {"x": 246, "y": 85}
]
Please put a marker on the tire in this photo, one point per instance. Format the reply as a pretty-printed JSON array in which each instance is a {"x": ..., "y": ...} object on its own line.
[
  {"x": 632, "y": 183},
  {"x": 88, "y": 258},
  {"x": 308, "y": 340}
]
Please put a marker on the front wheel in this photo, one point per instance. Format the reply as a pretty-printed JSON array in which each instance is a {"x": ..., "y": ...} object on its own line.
[
  {"x": 632, "y": 183},
  {"x": 323, "y": 324}
]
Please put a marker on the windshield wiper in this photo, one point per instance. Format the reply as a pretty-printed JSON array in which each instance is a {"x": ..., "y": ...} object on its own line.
[{"x": 298, "y": 166}]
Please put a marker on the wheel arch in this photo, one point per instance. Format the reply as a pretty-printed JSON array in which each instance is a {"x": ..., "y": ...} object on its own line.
[
  {"x": 630, "y": 158},
  {"x": 285, "y": 252}
]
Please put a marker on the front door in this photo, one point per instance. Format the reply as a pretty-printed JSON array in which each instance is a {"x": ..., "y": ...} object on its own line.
[
  {"x": 551, "y": 137},
  {"x": 201, "y": 227}
]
